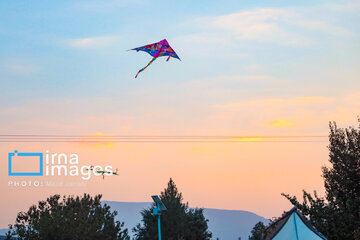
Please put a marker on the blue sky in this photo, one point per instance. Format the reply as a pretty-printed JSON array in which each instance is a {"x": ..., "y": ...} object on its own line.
[{"x": 41, "y": 55}]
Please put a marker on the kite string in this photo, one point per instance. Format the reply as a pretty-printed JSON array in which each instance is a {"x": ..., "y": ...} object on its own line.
[{"x": 145, "y": 66}]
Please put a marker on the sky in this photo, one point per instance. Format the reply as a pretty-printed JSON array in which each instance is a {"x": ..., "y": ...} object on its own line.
[{"x": 248, "y": 68}]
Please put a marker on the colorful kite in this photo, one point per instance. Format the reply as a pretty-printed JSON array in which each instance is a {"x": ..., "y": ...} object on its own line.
[{"x": 156, "y": 50}]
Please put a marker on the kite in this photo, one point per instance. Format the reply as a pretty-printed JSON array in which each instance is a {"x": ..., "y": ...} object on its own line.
[
  {"x": 103, "y": 172},
  {"x": 156, "y": 50}
]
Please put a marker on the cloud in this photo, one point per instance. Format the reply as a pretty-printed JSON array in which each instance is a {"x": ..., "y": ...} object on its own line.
[
  {"x": 324, "y": 27},
  {"x": 281, "y": 123},
  {"x": 92, "y": 42},
  {"x": 284, "y": 26},
  {"x": 250, "y": 24},
  {"x": 273, "y": 102},
  {"x": 263, "y": 25}
]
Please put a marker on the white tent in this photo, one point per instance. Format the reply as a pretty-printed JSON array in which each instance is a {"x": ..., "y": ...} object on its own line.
[{"x": 294, "y": 226}]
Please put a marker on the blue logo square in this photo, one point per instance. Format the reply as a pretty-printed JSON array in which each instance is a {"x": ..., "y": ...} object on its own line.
[{"x": 16, "y": 153}]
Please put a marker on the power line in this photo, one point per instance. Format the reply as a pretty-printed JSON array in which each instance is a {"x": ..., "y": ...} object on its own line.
[
  {"x": 155, "y": 141},
  {"x": 160, "y": 138}
]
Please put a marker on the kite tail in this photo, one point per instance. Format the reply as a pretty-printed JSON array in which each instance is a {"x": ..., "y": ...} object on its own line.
[{"x": 145, "y": 67}]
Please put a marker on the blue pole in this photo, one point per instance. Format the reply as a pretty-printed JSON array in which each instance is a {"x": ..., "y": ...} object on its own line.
[{"x": 159, "y": 228}]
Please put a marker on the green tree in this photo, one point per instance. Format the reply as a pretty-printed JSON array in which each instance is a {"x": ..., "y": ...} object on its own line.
[
  {"x": 258, "y": 231},
  {"x": 69, "y": 218},
  {"x": 177, "y": 222},
  {"x": 337, "y": 215}
]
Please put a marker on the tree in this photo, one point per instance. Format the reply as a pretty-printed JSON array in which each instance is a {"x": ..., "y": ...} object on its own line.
[
  {"x": 177, "y": 222},
  {"x": 69, "y": 219},
  {"x": 337, "y": 215},
  {"x": 258, "y": 231},
  {"x": 9, "y": 235}
]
